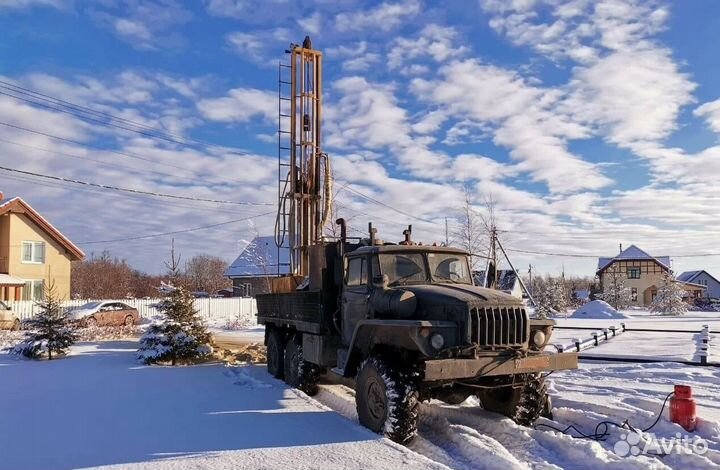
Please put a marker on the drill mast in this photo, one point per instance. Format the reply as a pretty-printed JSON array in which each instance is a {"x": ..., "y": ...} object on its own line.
[{"x": 304, "y": 189}]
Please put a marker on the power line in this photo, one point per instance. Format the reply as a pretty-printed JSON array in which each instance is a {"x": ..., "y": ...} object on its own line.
[
  {"x": 375, "y": 201},
  {"x": 135, "y": 191},
  {"x": 75, "y": 142},
  {"x": 80, "y": 111},
  {"x": 102, "y": 162},
  {"x": 175, "y": 232},
  {"x": 574, "y": 255},
  {"x": 95, "y": 191}
]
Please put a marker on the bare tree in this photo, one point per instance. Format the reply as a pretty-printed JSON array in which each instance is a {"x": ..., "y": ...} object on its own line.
[
  {"x": 102, "y": 277},
  {"x": 206, "y": 273},
  {"x": 470, "y": 233}
]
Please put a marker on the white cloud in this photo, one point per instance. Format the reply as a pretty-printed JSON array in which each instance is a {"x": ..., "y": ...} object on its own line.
[
  {"x": 144, "y": 24},
  {"x": 383, "y": 17},
  {"x": 635, "y": 95},
  {"x": 311, "y": 24},
  {"x": 356, "y": 57},
  {"x": 31, "y": 3},
  {"x": 711, "y": 112},
  {"x": 434, "y": 40},
  {"x": 240, "y": 105},
  {"x": 523, "y": 118}
]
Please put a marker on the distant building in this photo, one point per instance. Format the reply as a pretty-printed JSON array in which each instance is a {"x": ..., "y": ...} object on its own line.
[
  {"x": 33, "y": 253},
  {"x": 642, "y": 274},
  {"x": 256, "y": 265},
  {"x": 712, "y": 285}
]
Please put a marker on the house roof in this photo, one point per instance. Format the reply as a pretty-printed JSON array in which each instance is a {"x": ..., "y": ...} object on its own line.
[
  {"x": 259, "y": 258},
  {"x": 632, "y": 253},
  {"x": 688, "y": 276},
  {"x": 17, "y": 205},
  {"x": 8, "y": 280}
]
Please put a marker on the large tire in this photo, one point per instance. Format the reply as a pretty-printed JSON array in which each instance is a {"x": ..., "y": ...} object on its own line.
[
  {"x": 276, "y": 353},
  {"x": 524, "y": 404},
  {"x": 300, "y": 373},
  {"x": 387, "y": 399}
]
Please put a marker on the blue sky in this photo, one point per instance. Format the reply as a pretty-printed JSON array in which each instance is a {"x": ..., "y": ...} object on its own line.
[{"x": 590, "y": 123}]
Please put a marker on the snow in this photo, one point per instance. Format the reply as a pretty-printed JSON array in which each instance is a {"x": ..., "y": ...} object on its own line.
[
  {"x": 597, "y": 309},
  {"x": 99, "y": 408}
]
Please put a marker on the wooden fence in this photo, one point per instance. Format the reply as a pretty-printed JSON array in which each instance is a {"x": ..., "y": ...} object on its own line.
[{"x": 235, "y": 308}]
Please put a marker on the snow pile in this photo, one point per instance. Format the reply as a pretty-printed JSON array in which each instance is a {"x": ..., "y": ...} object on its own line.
[{"x": 597, "y": 309}]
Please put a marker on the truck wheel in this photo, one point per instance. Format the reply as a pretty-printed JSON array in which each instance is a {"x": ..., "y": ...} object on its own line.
[
  {"x": 276, "y": 353},
  {"x": 524, "y": 404},
  {"x": 387, "y": 400},
  {"x": 300, "y": 373}
]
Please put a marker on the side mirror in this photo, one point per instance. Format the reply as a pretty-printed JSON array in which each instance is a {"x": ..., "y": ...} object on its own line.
[{"x": 381, "y": 281}]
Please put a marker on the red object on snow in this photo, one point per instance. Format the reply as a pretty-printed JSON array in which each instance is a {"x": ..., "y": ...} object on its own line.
[{"x": 682, "y": 408}]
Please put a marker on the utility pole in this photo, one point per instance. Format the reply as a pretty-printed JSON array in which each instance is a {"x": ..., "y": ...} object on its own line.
[
  {"x": 530, "y": 269},
  {"x": 447, "y": 236},
  {"x": 492, "y": 271}
]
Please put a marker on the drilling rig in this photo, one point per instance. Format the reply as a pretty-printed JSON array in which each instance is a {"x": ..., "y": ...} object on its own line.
[{"x": 404, "y": 320}]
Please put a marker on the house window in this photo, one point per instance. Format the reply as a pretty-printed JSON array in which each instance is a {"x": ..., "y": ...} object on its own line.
[
  {"x": 702, "y": 282},
  {"x": 633, "y": 273},
  {"x": 34, "y": 290},
  {"x": 33, "y": 252},
  {"x": 633, "y": 294}
]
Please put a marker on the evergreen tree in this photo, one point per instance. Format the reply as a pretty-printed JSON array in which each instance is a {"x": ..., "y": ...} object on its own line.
[
  {"x": 180, "y": 337},
  {"x": 614, "y": 291},
  {"x": 551, "y": 297},
  {"x": 669, "y": 298},
  {"x": 51, "y": 332}
]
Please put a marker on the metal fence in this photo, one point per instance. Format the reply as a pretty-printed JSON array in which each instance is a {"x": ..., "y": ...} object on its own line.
[{"x": 235, "y": 308}]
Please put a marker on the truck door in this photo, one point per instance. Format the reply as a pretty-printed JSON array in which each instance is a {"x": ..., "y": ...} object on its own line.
[{"x": 354, "y": 296}]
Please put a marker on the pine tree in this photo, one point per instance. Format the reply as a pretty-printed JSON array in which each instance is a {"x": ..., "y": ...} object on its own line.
[
  {"x": 180, "y": 337},
  {"x": 669, "y": 298},
  {"x": 51, "y": 332},
  {"x": 614, "y": 291},
  {"x": 551, "y": 297}
]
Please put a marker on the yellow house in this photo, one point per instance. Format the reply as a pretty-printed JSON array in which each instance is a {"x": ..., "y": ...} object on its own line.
[
  {"x": 641, "y": 273},
  {"x": 33, "y": 253}
]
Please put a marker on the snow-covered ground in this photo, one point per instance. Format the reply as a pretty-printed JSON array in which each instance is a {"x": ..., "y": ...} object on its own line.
[
  {"x": 663, "y": 344},
  {"x": 99, "y": 407}
]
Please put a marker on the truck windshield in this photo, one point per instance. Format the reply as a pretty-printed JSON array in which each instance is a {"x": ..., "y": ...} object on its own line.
[
  {"x": 449, "y": 267},
  {"x": 403, "y": 268}
]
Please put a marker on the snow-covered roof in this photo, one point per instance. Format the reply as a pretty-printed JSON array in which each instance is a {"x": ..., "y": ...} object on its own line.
[
  {"x": 633, "y": 253},
  {"x": 259, "y": 258},
  {"x": 7, "y": 280}
]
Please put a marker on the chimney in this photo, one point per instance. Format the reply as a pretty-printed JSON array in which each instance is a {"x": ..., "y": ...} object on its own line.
[
  {"x": 1, "y": 195},
  {"x": 621, "y": 248}
]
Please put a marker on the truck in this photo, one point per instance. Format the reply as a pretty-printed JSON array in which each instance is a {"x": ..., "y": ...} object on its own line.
[{"x": 403, "y": 321}]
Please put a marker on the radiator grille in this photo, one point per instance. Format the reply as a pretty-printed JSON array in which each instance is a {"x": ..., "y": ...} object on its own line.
[{"x": 498, "y": 326}]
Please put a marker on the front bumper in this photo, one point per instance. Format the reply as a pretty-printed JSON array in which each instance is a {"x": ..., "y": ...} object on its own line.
[{"x": 448, "y": 369}]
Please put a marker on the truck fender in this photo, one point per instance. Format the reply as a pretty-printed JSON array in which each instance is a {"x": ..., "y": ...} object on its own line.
[{"x": 411, "y": 335}]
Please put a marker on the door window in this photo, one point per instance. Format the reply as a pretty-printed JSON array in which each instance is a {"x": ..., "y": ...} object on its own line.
[{"x": 357, "y": 272}]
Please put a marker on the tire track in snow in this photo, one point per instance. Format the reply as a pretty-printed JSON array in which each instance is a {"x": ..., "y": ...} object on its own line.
[{"x": 467, "y": 437}]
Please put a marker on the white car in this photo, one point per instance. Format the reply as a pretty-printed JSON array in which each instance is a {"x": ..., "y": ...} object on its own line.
[
  {"x": 8, "y": 320},
  {"x": 105, "y": 313}
]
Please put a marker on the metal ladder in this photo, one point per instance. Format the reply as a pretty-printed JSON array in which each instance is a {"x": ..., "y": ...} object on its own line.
[{"x": 285, "y": 150}]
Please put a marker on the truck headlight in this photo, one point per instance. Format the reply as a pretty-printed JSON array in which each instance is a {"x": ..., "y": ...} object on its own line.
[
  {"x": 538, "y": 339},
  {"x": 437, "y": 341}
]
